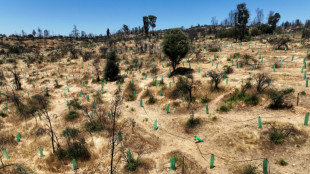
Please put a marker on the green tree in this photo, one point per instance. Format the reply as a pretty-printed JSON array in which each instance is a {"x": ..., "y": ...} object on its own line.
[
  {"x": 108, "y": 33},
  {"x": 273, "y": 19},
  {"x": 152, "y": 21},
  {"x": 175, "y": 46},
  {"x": 242, "y": 15},
  {"x": 146, "y": 24},
  {"x": 111, "y": 69}
]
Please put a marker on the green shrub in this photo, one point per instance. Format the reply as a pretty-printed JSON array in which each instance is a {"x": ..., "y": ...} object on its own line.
[
  {"x": 214, "y": 118},
  {"x": 2, "y": 114},
  {"x": 94, "y": 127},
  {"x": 74, "y": 103},
  {"x": 225, "y": 108},
  {"x": 131, "y": 97},
  {"x": 75, "y": 150},
  {"x": 132, "y": 165},
  {"x": 251, "y": 99},
  {"x": 303, "y": 92},
  {"x": 205, "y": 100},
  {"x": 213, "y": 49},
  {"x": 70, "y": 132},
  {"x": 277, "y": 137},
  {"x": 282, "y": 162},
  {"x": 249, "y": 169},
  {"x": 192, "y": 122},
  {"x": 72, "y": 115},
  {"x": 152, "y": 100}
]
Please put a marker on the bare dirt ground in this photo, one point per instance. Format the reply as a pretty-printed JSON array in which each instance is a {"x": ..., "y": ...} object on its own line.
[{"x": 234, "y": 138}]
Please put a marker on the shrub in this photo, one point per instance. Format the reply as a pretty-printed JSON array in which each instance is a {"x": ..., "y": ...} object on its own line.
[
  {"x": 2, "y": 114},
  {"x": 131, "y": 97},
  {"x": 70, "y": 132},
  {"x": 72, "y": 115},
  {"x": 132, "y": 165},
  {"x": 249, "y": 169},
  {"x": 277, "y": 137},
  {"x": 213, "y": 49},
  {"x": 303, "y": 92},
  {"x": 74, "y": 103},
  {"x": 75, "y": 150},
  {"x": 205, "y": 100},
  {"x": 282, "y": 162},
  {"x": 229, "y": 70},
  {"x": 111, "y": 69},
  {"x": 278, "y": 98},
  {"x": 192, "y": 122},
  {"x": 94, "y": 127},
  {"x": 224, "y": 108},
  {"x": 306, "y": 34},
  {"x": 152, "y": 100},
  {"x": 214, "y": 118}
]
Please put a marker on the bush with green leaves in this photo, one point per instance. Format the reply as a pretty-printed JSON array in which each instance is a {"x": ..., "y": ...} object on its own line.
[
  {"x": 282, "y": 162},
  {"x": 152, "y": 100},
  {"x": 278, "y": 98},
  {"x": 75, "y": 150},
  {"x": 175, "y": 46},
  {"x": 132, "y": 165},
  {"x": 70, "y": 132},
  {"x": 111, "y": 70},
  {"x": 94, "y": 126},
  {"x": 2, "y": 114},
  {"x": 192, "y": 122},
  {"x": 249, "y": 169},
  {"x": 205, "y": 100},
  {"x": 72, "y": 115}
]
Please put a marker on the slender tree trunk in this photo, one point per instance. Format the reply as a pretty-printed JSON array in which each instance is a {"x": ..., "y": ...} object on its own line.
[{"x": 113, "y": 142}]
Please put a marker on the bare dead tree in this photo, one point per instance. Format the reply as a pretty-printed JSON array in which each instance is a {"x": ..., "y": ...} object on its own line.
[
  {"x": 262, "y": 81},
  {"x": 115, "y": 113},
  {"x": 18, "y": 85},
  {"x": 42, "y": 102}
]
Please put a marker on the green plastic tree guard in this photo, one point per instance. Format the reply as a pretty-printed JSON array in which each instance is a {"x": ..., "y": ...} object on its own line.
[
  {"x": 18, "y": 137},
  {"x": 259, "y": 122},
  {"x": 119, "y": 136},
  {"x": 207, "y": 109},
  {"x": 74, "y": 164},
  {"x": 292, "y": 58},
  {"x": 141, "y": 104},
  {"x": 265, "y": 166},
  {"x": 134, "y": 93},
  {"x": 307, "y": 82},
  {"x": 306, "y": 119},
  {"x": 161, "y": 92},
  {"x": 144, "y": 76},
  {"x": 305, "y": 74},
  {"x": 227, "y": 81},
  {"x": 6, "y": 154},
  {"x": 274, "y": 68},
  {"x": 252, "y": 67},
  {"x": 155, "y": 125},
  {"x": 41, "y": 151},
  {"x": 172, "y": 164},
  {"x": 198, "y": 69},
  {"x": 212, "y": 161},
  {"x": 169, "y": 84},
  {"x": 198, "y": 139},
  {"x": 87, "y": 97},
  {"x": 281, "y": 61},
  {"x": 129, "y": 158},
  {"x": 168, "y": 107},
  {"x": 217, "y": 65}
]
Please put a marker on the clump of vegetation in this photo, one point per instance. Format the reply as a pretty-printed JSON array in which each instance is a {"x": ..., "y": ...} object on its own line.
[
  {"x": 249, "y": 169},
  {"x": 2, "y": 114},
  {"x": 282, "y": 162},
  {"x": 214, "y": 118},
  {"x": 225, "y": 108},
  {"x": 303, "y": 92},
  {"x": 72, "y": 115},
  {"x": 132, "y": 164},
  {"x": 152, "y": 100},
  {"x": 75, "y": 150},
  {"x": 192, "y": 122},
  {"x": 205, "y": 100},
  {"x": 111, "y": 70},
  {"x": 70, "y": 132},
  {"x": 93, "y": 126},
  {"x": 278, "y": 98},
  {"x": 75, "y": 104}
]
